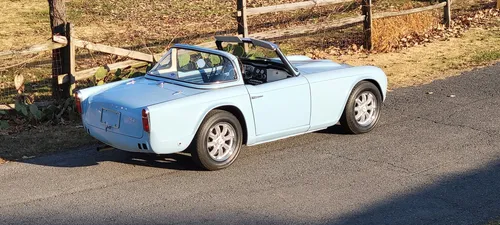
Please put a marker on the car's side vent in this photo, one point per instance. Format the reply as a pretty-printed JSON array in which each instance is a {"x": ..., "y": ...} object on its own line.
[
  {"x": 139, "y": 145},
  {"x": 144, "y": 146}
]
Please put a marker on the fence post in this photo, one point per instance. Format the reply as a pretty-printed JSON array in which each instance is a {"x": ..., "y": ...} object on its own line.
[
  {"x": 66, "y": 59},
  {"x": 57, "y": 13},
  {"x": 69, "y": 85},
  {"x": 241, "y": 17},
  {"x": 447, "y": 14},
  {"x": 367, "y": 23}
]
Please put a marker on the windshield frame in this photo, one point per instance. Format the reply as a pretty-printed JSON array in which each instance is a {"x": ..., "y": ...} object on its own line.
[
  {"x": 264, "y": 44},
  {"x": 174, "y": 63}
]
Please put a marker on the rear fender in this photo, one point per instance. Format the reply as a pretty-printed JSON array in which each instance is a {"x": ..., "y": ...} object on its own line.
[{"x": 174, "y": 124}]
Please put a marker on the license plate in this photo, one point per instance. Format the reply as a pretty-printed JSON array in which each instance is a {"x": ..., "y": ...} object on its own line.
[{"x": 110, "y": 118}]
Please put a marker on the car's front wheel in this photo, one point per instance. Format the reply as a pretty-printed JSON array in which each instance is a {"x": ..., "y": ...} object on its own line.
[
  {"x": 218, "y": 141},
  {"x": 362, "y": 110}
]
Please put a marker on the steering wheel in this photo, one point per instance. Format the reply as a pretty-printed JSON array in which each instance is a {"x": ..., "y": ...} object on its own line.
[{"x": 227, "y": 71}]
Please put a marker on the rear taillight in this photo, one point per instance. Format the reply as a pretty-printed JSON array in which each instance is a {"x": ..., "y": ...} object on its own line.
[
  {"x": 78, "y": 103},
  {"x": 145, "y": 120}
]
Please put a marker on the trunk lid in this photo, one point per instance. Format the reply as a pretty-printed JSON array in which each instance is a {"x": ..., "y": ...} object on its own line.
[{"x": 118, "y": 109}]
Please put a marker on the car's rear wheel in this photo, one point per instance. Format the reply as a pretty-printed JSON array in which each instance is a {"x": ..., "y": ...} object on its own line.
[
  {"x": 218, "y": 141},
  {"x": 362, "y": 110}
]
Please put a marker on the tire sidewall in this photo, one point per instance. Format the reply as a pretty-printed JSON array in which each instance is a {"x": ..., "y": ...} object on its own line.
[{"x": 201, "y": 154}]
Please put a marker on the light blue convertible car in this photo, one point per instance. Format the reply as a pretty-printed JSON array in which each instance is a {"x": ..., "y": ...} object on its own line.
[{"x": 212, "y": 102}]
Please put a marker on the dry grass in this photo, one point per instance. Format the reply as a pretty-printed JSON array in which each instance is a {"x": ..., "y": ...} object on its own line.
[
  {"x": 23, "y": 22},
  {"x": 425, "y": 63},
  {"x": 388, "y": 32},
  {"x": 37, "y": 77}
]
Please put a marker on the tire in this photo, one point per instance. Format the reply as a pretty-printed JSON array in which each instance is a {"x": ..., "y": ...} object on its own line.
[
  {"x": 218, "y": 141},
  {"x": 357, "y": 117}
]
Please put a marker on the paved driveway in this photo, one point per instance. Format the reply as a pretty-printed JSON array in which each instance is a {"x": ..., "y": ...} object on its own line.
[{"x": 434, "y": 159}]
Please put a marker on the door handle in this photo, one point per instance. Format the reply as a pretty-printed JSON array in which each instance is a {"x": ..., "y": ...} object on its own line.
[{"x": 257, "y": 96}]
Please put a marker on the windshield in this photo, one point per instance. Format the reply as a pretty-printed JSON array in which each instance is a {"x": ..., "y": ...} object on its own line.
[
  {"x": 252, "y": 52},
  {"x": 194, "y": 67}
]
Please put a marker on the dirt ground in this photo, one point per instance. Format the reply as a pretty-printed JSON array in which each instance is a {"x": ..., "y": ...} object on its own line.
[{"x": 43, "y": 139}]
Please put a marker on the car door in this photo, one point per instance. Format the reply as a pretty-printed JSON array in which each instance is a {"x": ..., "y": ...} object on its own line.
[{"x": 281, "y": 107}]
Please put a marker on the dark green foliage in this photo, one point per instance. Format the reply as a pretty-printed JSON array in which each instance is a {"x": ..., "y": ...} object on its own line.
[
  {"x": 57, "y": 112},
  {"x": 4, "y": 124},
  {"x": 102, "y": 75},
  {"x": 149, "y": 67}
]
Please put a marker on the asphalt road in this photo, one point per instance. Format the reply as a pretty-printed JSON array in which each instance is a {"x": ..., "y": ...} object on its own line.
[{"x": 434, "y": 159}]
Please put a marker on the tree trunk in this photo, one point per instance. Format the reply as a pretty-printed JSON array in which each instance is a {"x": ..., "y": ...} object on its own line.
[
  {"x": 57, "y": 12},
  {"x": 241, "y": 7}
]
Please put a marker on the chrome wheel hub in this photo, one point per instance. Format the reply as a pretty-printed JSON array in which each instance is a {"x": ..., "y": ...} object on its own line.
[
  {"x": 221, "y": 141},
  {"x": 365, "y": 109}
]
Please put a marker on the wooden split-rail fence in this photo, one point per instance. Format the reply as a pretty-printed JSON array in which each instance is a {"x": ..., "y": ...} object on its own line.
[{"x": 243, "y": 14}]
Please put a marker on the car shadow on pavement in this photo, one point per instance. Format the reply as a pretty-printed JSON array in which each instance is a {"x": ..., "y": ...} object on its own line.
[
  {"x": 92, "y": 157},
  {"x": 177, "y": 161},
  {"x": 468, "y": 197},
  {"x": 335, "y": 129}
]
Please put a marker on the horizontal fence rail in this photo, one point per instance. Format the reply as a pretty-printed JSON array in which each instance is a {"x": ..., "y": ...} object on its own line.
[
  {"x": 409, "y": 11},
  {"x": 113, "y": 50},
  {"x": 89, "y": 73},
  {"x": 306, "y": 29},
  {"x": 55, "y": 43},
  {"x": 292, "y": 6}
]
